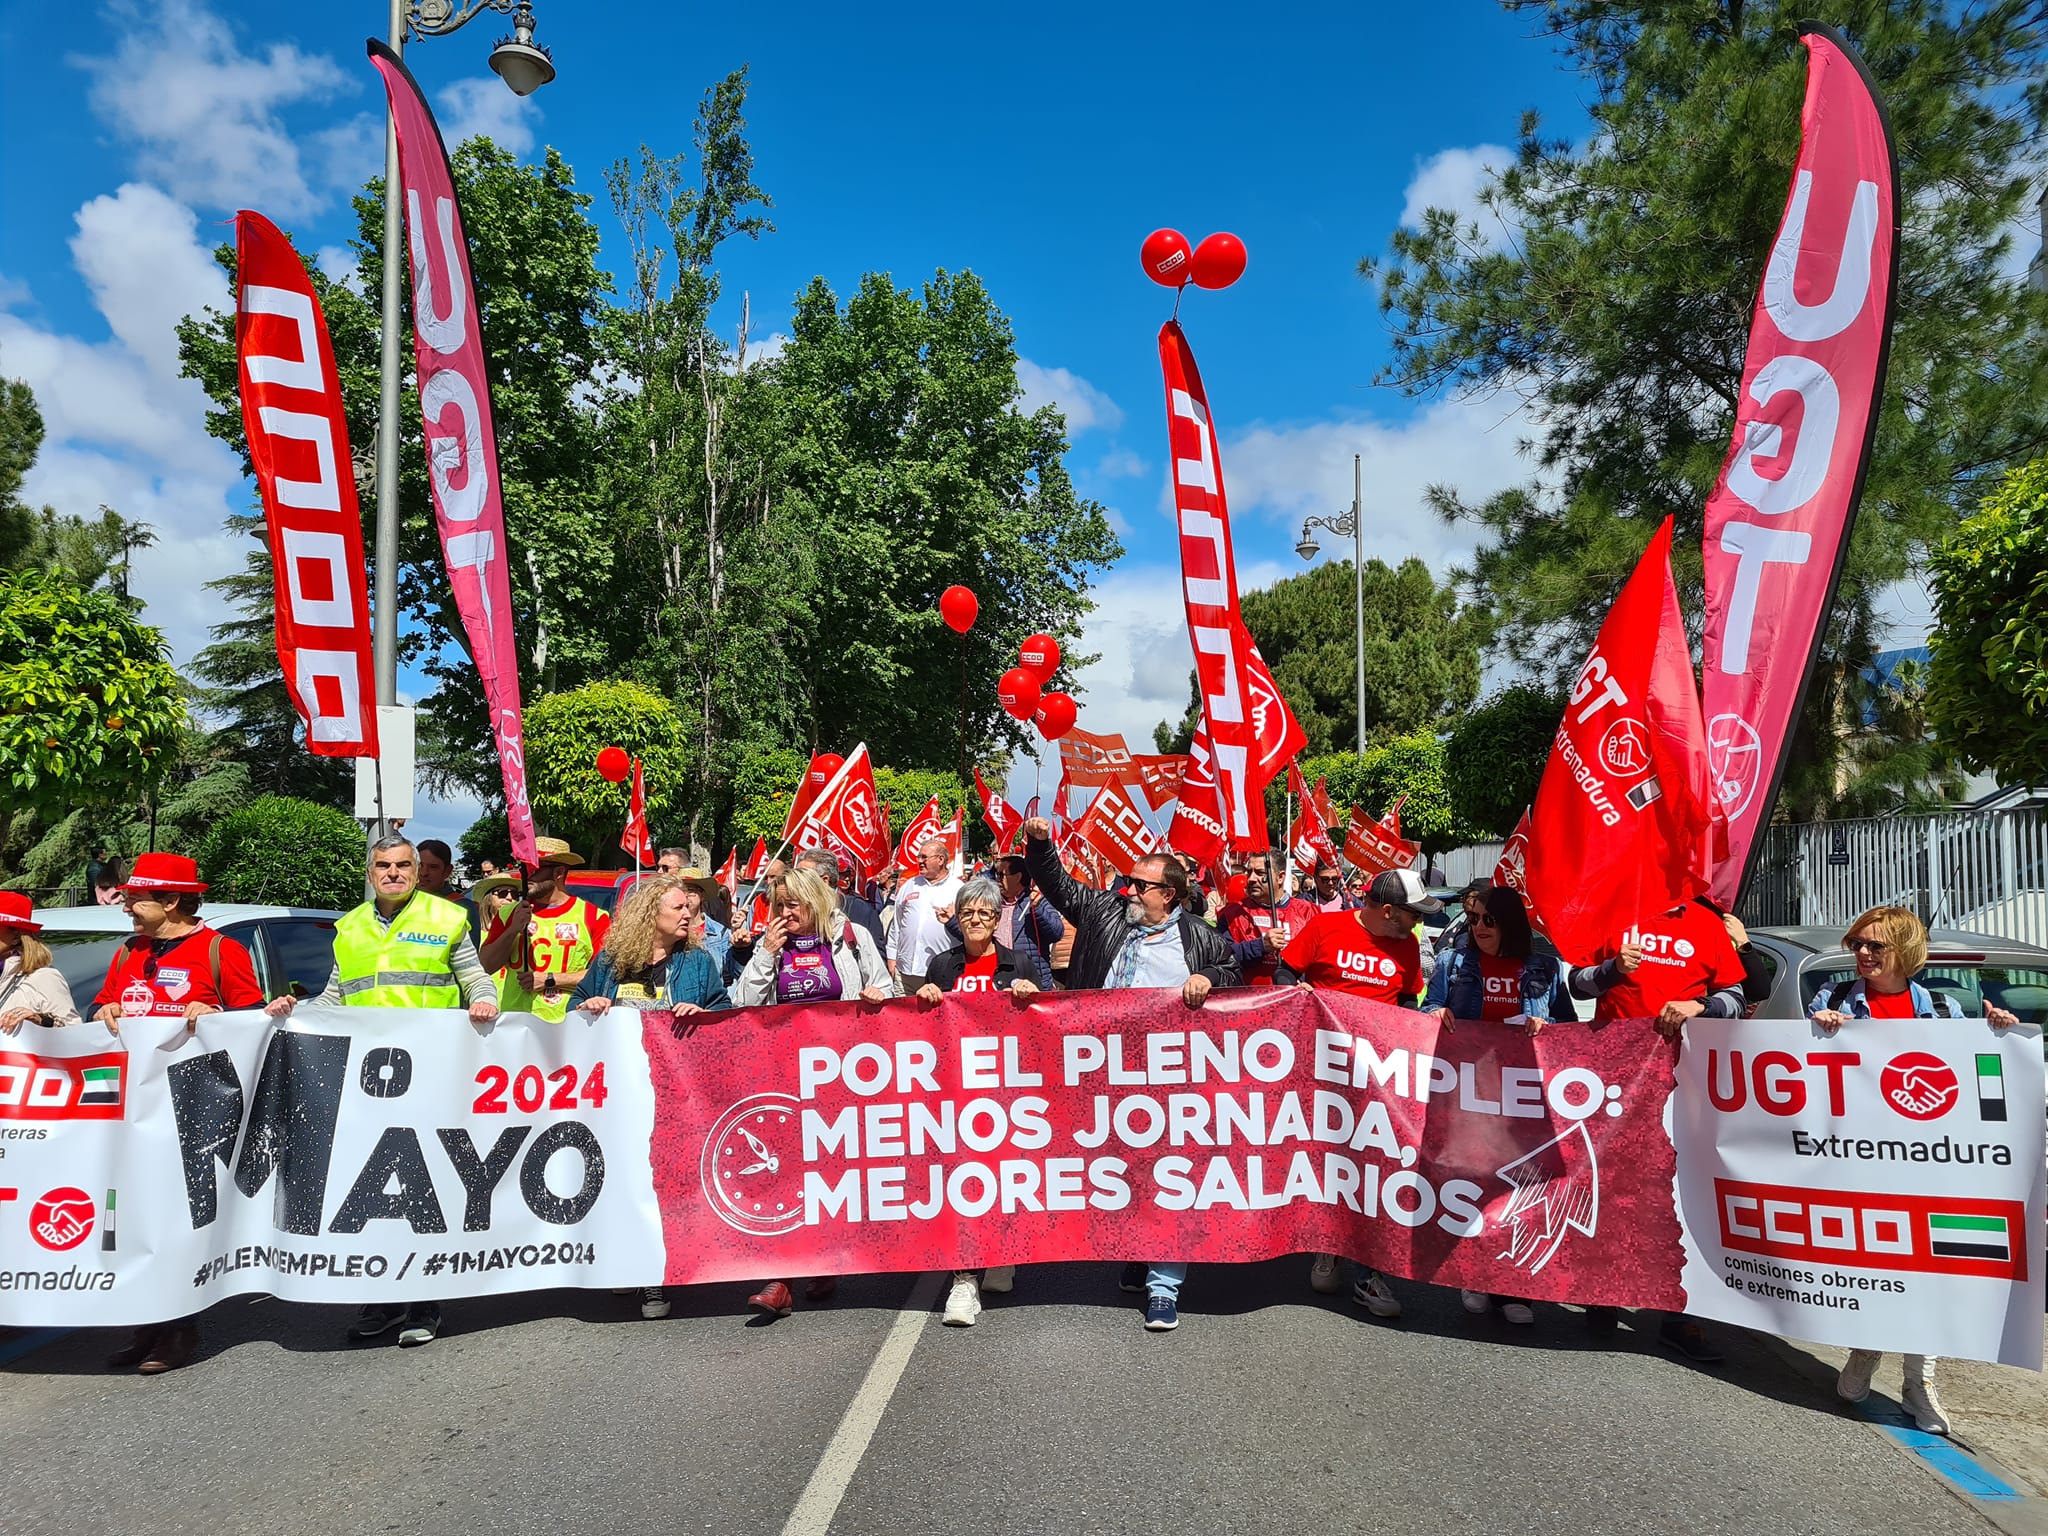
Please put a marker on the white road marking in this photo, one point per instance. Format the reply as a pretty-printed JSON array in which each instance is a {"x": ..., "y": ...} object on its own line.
[{"x": 829, "y": 1479}]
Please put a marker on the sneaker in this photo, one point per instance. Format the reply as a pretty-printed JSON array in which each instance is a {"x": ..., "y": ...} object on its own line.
[
  {"x": 998, "y": 1279},
  {"x": 772, "y": 1300},
  {"x": 1853, "y": 1385},
  {"x": 1323, "y": 1278},
  {"x": 653, "y": 1302},
  {"x": 1690, "y": 1340},
  {"x": 1162, "y": 1314},
  {"x": 1372, "y": 1292},
  {"x": 422, "y": 1325},
  {"x": 1478, "y": 1303},
  {"x": 963, "y": 1302},
  {"x": 1520, "y": 1313},
  {"x": 372, "y": 1321},
  {"x": 1132, "y": 1280},
  {"x": 1919, "y": 1400}
]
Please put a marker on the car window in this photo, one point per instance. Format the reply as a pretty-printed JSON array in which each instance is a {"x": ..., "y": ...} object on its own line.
[
  {"x": 83, "y": 960},
  {"x": 1970, "y": 984},
  {"x": 303, "y": 949}
]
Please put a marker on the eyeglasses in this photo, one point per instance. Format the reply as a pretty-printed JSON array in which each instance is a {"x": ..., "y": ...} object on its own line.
[
  {"x": 1485, "y": 920},
  {"x": 1858, "y": 946},
  {"x": 976, "y": 915}
]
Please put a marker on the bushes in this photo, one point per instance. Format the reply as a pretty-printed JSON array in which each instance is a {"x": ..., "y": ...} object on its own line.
[
  {"x": 1496, "y": 757},
  {"x": 287, "y": 852}
]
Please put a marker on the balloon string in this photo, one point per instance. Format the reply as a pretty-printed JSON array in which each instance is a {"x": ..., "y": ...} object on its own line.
[{"x": 1183, "y": 288}]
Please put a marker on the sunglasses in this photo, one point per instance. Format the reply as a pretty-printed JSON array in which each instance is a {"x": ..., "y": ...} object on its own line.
[
  {"x": 976, "y": 915},
  {"x": 1138, "y": 885},
  {"x": 1858, "y": 946},
  {"x": 1483, "y": 920}
]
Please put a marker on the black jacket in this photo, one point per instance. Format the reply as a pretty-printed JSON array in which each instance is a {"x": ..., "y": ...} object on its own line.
[
  {"x": 1097, "y": 918},
  {"x": 946, "y": 968},
  {"x": 859, "y": 909}
]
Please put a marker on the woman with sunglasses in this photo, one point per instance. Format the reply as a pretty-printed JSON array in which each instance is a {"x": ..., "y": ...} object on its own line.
[
  {"x": 976, "y": 964},
  {"x": 1890, "y": 946},
  {"x": 808, "y": 953}
]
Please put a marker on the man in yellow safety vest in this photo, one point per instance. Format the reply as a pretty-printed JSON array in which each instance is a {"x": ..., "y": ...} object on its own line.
[{"x": 541, "y": 948}]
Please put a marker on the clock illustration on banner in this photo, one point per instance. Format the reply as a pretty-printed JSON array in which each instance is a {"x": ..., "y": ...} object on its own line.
[{"x": 752, "y": 1166}]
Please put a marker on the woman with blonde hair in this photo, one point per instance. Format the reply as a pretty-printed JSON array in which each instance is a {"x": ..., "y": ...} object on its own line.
[
  {"x": 1890, "y": 946},
  {"x": 653, "y": 957},
  {"x": 32, "y": 989}
]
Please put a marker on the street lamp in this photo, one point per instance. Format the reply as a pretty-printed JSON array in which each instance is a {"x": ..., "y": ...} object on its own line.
[
  {"x": 1352, "y": 523},
  {"x": 525, "y": 67}
]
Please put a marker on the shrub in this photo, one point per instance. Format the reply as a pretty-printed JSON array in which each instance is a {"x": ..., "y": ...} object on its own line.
[{"x": 287, "y": 852}]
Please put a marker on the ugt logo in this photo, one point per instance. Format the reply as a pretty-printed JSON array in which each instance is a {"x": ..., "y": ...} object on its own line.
[{"x": 1919, "y": 1086}]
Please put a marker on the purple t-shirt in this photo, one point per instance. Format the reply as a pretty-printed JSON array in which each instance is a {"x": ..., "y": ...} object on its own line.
[{"x": 806, "y": 970}]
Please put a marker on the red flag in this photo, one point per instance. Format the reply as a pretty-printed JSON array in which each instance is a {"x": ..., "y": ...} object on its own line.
[
  {"x": 1197, "y": 828},
  {"x": 1209, "y": 589},
  {"x": 954, "y": 833},
  {"x": 1308, "y": 839},
  {"x": 1322, "y": 802},
  {"x": 1391, "y": 822},
  {"x": 298, "y": 448},
  {"x": 1161, "y": 774},
  {"x": 1279, "y": 735},
  {"x": 1620, "y": 826},
  {"x": 1089, "y": 761},
  {"x": 820, "y": 772},
  {"x": 1513, "y": 869},
  {"x": 634, "y": 840},
  {"x": 1377, "y": 846},
  {"x": 757, "y": 861},
  {"x": 1001, "y": 816},
  {"x": 1779, "y": 517},
  {"x": 846, "y": 816},
  {"x": 1114, "y": 827},
  {"x": 729, "y": 874},
  {"x": 461, "y": 446},
  {"x": 923, "y": 827}
]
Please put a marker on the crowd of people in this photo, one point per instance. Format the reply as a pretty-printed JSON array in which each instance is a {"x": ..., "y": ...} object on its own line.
[{"x": 808, "y": 931}]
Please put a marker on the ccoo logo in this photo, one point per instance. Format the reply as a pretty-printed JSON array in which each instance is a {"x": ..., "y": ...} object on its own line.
[{"x": 1919, "y": 1086}]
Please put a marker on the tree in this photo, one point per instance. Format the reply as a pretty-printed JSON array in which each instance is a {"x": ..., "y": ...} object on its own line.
[
  {"x": 1614, "y": 296},
  {"x": 1410, "y": 766},
  {"x": 1986, "y": 690},
  {"x": 564, "y": 734},
  {"x": 90, "y": 712},
  {"x": 290, "y": 852},
  {"x": 1496, "y": 756}
]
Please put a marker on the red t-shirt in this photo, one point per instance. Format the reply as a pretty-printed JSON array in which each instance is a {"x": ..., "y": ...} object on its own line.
[
  {"x": 1889, "y": 1005},
  {"x": 1500, "y": 982},
  {"x": 167, "y": 974},
  {"x": 1686, "y": 955},
  {"x": 598, "y": 921},
  {"x": 1335, "y": 951},
  {"x": 979, "y": 975},
  {"x": 1244, "y": 922}
]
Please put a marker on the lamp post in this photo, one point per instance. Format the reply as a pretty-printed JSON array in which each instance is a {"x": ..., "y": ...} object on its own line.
[
  {"x": 525, "y": 67},
  {"x": 1352, "y": 523}
]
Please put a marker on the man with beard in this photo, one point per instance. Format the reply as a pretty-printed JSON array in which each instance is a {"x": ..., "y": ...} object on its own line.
[{"x": 1262, "y": 922}]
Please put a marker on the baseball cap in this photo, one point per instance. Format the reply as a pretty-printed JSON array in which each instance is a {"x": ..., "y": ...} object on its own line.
[{"x": 1403, "y": 888}]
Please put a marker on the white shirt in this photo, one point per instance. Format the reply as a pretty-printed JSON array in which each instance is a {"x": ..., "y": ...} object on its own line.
[
  {"x": 919, "y": 933},
  {"x": 1162, "y": 959}
]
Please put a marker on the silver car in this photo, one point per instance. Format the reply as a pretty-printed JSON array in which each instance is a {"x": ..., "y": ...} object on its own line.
[
  {"x": 1972, "y": 968},
  {"x": 293, "y": 947}
]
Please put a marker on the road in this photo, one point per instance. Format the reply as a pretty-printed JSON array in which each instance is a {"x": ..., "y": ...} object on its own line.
[{"x": 1271, "y": 1409}]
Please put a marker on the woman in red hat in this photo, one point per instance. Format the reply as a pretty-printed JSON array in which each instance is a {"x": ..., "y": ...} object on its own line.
[
  {"x": 175, "y": 966},
  {"x": 32, "y": 990}
]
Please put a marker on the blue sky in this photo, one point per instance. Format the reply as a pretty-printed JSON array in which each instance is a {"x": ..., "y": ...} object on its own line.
[{"x": 1036, "y": 146}]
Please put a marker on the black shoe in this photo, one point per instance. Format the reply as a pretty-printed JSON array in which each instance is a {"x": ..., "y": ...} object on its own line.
[
  {"x": 137, "y": 1349},
  {"x": 422, "y": 1325},
  {"x": 1132, "y": 1281},
  {"x": 1690, "y": 1340},
  {"x": 1603, "y": 1319},
  {"x": 374, "y": 1320}
]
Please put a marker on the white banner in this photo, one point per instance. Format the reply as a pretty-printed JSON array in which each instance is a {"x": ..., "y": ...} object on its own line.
[{"x": 1880, "y": 1189}]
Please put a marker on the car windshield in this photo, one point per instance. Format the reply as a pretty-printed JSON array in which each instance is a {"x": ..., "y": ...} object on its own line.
[
  {"x": 2020, "y": 990},
  {"x": 82, "y": 959}
]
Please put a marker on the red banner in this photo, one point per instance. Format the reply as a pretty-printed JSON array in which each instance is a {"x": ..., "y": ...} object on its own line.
[
  {"x": 298, "y": 448},
  {"x": 846, "y": 816},
  {"x": 455, "y": 407},
  {"x": 757, "y": 861},
  {"x": 1197, "y": 828},
  {"x": 1377, "y": 846},
  {"x": 728, "y": 875},
  {"x": 923, "y": 827},
  {"x": 1116, "y": 829},
  {"x": 1308, "y": 839},
  {"x": 1001, "y": 816},
  {"x": 1089, "y": 761},
  {"x": 1621, "y": 822},
  {"x": 843, "y": 1139},
  {"x": 1161, "y": 774},
  {"x": 1279, "y": 735},
  {"x": 1778, "y": 520},
  {"x": 1209, "y": 587}
]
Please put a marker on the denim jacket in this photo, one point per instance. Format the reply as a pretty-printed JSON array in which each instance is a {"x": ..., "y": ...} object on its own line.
[{"x": 1457, "y": 982}]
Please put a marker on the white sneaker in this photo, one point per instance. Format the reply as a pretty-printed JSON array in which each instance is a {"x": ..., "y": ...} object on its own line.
[
  {"x": 997, "y": 1279},
  {"x": 1476, "y": 1302},
  {"x": 653, "y": 1302},
  {"x": 1372, "y": 1292},
  {"x": 1520, "y": 1313},
  {"x": 1853, "y": 1385},
  {"x": 1919, "y": 1400},
  {"x": 963, "y": 1303},
  {"x": 1323, "y": 1277}
]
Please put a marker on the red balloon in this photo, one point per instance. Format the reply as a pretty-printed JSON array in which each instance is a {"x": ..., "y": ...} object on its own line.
[
  {"x": 1219, "y": 261},
  {"x": 614, "y": 765},
  {"x": 1040, "y": 656},
  {"x": 958, "y": 607},
  {"x": 1056, "y": 716},
  {"x": 823, "y": 766},
  {"x": 1018, "y": 692},
  {"x": 1166, "y": 256}
]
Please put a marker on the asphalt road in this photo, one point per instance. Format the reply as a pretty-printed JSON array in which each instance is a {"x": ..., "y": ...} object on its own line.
[{"x": 1271, "y": 1409}]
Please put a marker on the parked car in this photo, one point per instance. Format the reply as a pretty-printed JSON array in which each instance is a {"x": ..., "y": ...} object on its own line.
[
  {"x": 1973, "y": 968},
  {"x": 293, "y": 947}
]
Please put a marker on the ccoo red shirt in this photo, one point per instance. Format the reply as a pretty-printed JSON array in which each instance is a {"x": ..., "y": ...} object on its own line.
[
  {"x": 1337, "y": 952},
  {"x": 1686, "y": 955},
  {"x": 167, "y": 974}
]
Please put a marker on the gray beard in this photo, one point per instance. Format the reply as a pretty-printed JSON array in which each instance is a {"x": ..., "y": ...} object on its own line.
[{"x": 1134, "y": 914}]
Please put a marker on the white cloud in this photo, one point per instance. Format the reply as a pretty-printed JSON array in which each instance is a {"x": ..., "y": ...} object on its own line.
[
  {"x": 1452, "y": 179},
  {"x": 339, "y": 263},
  {"x": 1120, "y": 464},
  {"x": 1083, "y": 405},
  {"x": 485, "y": 106},
  {"x": 140, "y": 254},
  {"x": 202, "y": 114},
  {"x": 347, "y": 155}
]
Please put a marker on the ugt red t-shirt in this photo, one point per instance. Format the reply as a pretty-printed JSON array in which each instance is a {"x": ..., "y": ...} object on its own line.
[
  {"x": 1337, "y": 952},
  {"x": 979, "y": 975},
  {"x": 1500, "y": 987},
  {"x": 1686, "y": 955}
]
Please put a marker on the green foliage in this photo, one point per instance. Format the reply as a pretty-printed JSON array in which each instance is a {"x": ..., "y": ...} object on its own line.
[
  {"x": 1411, "y": 765},
  {"x": 767, "y": 781},
  {"x": 487, "y": 838},
  {"x": 1986, "y": 692},
  {"x": 564, "y": 734},
  {"x": 90, "y": 712},
  {"x": 1496, "y": 755},
  {"x": 1618, "y": 303},
  {"x": 289, "y": 852}
]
